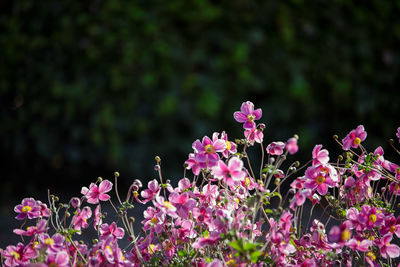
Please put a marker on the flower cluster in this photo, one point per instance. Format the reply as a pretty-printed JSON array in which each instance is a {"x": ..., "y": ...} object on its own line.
[{"x": 227, "y": 212}]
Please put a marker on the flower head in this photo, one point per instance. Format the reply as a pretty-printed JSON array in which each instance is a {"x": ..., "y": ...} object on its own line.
[
  {"x": 248, "y": 115},
  {"x": 275, "y": 148},
  {"x": 354, "y": 138},
  {"x": 95, "y": 193},
  {"x": 28, "y": 208},
  {"x": 229, "y": 173},
  {"x": 206, "y": 150}
]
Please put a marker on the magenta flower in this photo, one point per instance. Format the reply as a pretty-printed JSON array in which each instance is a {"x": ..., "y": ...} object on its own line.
[
  {"x": 231, "y": 173},
  {"x": 359, "y": 244},
  {"x": 152, "y": 192},
  {"x": 247, "y": 115},
  {"x": 321, "y": 177},
  {"x": 80, "y": 220},
  {"x": 40, "y": 227},
  {"x": 95, "y": 193},
  {"x": 254, "y": 135},
  {"x": 18, "y": 255},
  {"x": 320, "y": 156},
  {"x": 386, "y": 249},
  {"x": 111, "y": 230},
  {"x": 230, "y": 146},
  {"x": 61, "y": 259},
  {"x": 193, "y": 164},
  {"x": 54, "y": 244},
  {"x": 398, "y": 134},
  {"x": 370, "y": 217},
  {"x": 291, "y": 145},
  {"x": 354, "y": 138},
  {"x": 276, "y": 148},
  {"x": 341, "y": 234},
  {"x": 28, "y": 208},
  {"x": 206, "y": 150},
  {"x": 98, "y": 219}
]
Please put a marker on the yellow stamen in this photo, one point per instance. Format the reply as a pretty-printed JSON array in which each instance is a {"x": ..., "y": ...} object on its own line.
[
  {"x": 371, "y": 255},
  {"x": 345, "y": 235},
  {"x": 251, "y": 117},
  {"x": 49, "y": 241},
  {"x": 231, "y": 263},
  {"x": 109, "y": 249},
  {"x": 372, "y": 218},
  {"x": 26, "y": 209},
  {"x": 320, "y": 179},
  {"x": 357, "y": 141},
  {"x": 228, "y": 145},
  {"x": 168, "y": 205},
  {"x": 151, "y": 248},
  {"x": 153, "y": 220},
  {"x": 209, "y": 149},
  {"x": 170, "y": 246},
  {"x": 16, "y": 255},
  {"x": 392, "y": 229}
]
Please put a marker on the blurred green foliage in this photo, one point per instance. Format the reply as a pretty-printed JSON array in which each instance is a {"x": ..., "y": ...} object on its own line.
[{"x": 89, "y": 87}]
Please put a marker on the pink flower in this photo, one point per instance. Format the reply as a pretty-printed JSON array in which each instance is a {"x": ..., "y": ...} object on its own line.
[
  {"x": 28, "y": 208},
  {"x": 276, "y": 148},
  {"x": 291, "y": 145},
  {"x": 111, "y": 230},
  {"x": 231, "y": 173},
  {"x": 152, "y": 192},
  {"x": 54, "y": 244},
  {"x": 18, "y": 255},
  {"x": 354, "y": 138},
  {"x": 95, "y": 193},
  {"x": 359, "y": 244},
  {"x": 254, "y": 135},
  {"x": 41, "y": 227},
  {"x": 61, "y": 259},
  {"x": 98, "y": 219},
  {"x": 321, "y": 177},
  {"x": 341, "y": 234},
  {"x": 230, "y": 146},
  {"x": 398, "y": 134},
  {"x": 193, "y": 164},
  {"x": 206, "y": 150},
  {"x": 247, "y": 115},
  {"x": 386, "y": 249},
  {"x": 80, "y": 220},
  {"x": 320, "y": 156}
]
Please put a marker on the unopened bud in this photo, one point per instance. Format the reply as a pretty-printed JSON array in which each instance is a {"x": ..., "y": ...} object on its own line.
[
  {"x": 340, "y": 157},
  {"x": 391, "y": 141},
  {"x": 132, "y": 219},
  {"x": 99, "y": 179},
  {"x": 116, "y": 174},
  {"x": 296, "y": 136},
  {"x": 75, "y": 202},
  {"x": 158, "y": 159},
  {"x": 335, "y": 137}
]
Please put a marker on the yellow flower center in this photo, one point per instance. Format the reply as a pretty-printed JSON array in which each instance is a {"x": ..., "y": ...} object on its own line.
[
  {"x": 251, "y": 117},
  {"x": 320, "y": 179},
  {"x": 168, "y": 205},
  {"x": 53, "y": 264},
  {"x": 231, "y": 263},
  {"x": 324, "y": 170},
  {"x": 154, "y": 220},
  {"x": 15, "y": 254},
  {"x": 151, "y": 248},
  {"x": 371, "y": 255},
  {"x": 109, "y": 249},
  {"x": 26, "y": 209},
  {"x": 345, "y": 235},
  {"x": 228, "y": 145},
  {"x": 357, "y": 141},
  {"x": 49, "y": 241},
  {"x": 372, "y": 218},
  {"x": 209, "y": 149},
  {"x": 392, "y": 229},
  {"x": 247, "y": 181}
]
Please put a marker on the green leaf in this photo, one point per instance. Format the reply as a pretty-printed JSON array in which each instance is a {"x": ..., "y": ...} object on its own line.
[
  {"x": 237, "y": 245},
  {"x": 254, "y": 256}
]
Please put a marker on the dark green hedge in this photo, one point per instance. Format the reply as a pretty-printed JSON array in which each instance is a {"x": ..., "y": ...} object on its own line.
[{"x": 93, "y": 86}]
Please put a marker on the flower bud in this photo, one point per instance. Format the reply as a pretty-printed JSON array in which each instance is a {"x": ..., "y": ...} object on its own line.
[
  {"x": 75, "y": 202},
  {"x": 99, "y": 179},
  {"x": 158, "y": 159},
  {"x": 138, "y": 183},
  {"x": 116, "y": 174}
]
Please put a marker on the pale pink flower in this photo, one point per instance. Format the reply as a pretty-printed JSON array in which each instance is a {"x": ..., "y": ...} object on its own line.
[
  {"x": 320, "y": 156},
  {"x": 291, "y": 145},
  {"x": 276, "y": 148},
  {"x": 111, "y": 230},
  {"x": 254, "y": 135},
  {"x": 354, "y": 138},
  {"x": 231, "y": 173},
  {"x": 248, "y": 115},
  {"x": 152, "y": 192},
  {"x": 386, "y": 248},
  {"x": 95, "y": 193},
  {"x": 80, "y": 220}
]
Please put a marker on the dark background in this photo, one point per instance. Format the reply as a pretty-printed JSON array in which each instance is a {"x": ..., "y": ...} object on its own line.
[{"x": 92, "y": 87}]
